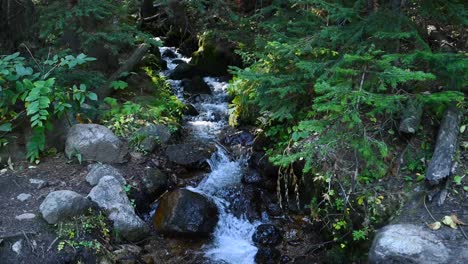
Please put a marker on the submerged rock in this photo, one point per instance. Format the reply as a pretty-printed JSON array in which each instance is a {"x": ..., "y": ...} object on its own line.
[
  {"x": 267, "y": 235},
  {"x": 60, "y": 205},
  {"x": 110, "y": 196},
  {"x": 186, "y": 213},
  {"x": 150, "y": 137},
  {"x": 191, "y": 155},
  {"x": 407, "y": 243},
  {"x": 97, "y": 171},
  {"x": 95, "y": 143}
]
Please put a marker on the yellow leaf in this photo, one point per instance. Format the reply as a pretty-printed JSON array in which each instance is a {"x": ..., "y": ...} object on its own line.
[
  {"x": 434, "y": 226},
  {"x": 456, "y": 220},
  {"x": 360, "y": 200},
  {"x": 447, "y": 220}
]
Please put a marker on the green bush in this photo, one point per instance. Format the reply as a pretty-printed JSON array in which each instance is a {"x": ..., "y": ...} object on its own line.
[{"x": 30, "y": 89}]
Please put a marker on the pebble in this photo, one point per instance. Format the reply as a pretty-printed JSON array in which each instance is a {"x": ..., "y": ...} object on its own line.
[
  {"x": 40, "y": 183},
  {"x": 25, "y": 216},
  {"x": 17, "y": 246},
  {"x": 23, "y": 196}
]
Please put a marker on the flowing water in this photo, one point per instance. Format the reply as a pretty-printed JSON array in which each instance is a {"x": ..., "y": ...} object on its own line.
[{"x": 231, "y": 242}]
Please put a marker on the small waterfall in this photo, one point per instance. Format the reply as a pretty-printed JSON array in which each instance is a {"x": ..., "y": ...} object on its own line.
[{"x": 231, "y": 241}]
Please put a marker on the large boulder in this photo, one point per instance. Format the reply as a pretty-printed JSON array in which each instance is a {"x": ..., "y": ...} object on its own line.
[
  {"x": 407, "y": 243},
  {"x": 214, "y": 55},
  {"x": 60, "y": 205},
  {"x": 150, "y": 137},
  {"x": 191, "y": 155},
  {"x": 95, "y": 143},
  {"x": 186, "y": 213},
  {"x": 196, "y": 85},
  {"x": 111, "y": 197},
  {"x": 97, "y": 171}
]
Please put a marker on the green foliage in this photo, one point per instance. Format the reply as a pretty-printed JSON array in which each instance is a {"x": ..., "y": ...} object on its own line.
[
  {"x": 328, "y": 81},
  {"x": 162, "y": 108},
  {"x": 89, "y": 231},
  {"x": 31, "y": 90},
  {"x": 90, "y": 24}
]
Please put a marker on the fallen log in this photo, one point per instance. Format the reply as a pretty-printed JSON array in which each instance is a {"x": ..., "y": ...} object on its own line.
[
  {"x": 411, "y": 118},
  {"x": 127, "y": 66},
  {"x": 442, "y": 160}
]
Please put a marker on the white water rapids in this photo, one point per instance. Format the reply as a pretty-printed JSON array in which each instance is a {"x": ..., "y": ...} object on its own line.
[{"x": 231, "y": 242}]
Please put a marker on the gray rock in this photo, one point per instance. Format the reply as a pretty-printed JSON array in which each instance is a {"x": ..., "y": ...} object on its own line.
[
  {"x": 407, "y": 243},
  {"x": 63, "y": 204},
  {"x": 185, "y": 213},
  {"x": 23, "y": 196},
  {"x": 17, "y": 246},
  {"x": 110, "y": 196},
  {"x": 37, "y": 182},
  {"x": 95, "y": 143},
  {"x": 25, "y": 216},
  {"x": 97, "y": 171},
  {"x": 155, "y": 181},
  {"x": 150, "y": 137},
  {"x": 192, "y": 155}
]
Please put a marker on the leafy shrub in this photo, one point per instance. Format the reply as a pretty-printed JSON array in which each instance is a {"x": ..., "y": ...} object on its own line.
[{"x": 31, "y": 90}]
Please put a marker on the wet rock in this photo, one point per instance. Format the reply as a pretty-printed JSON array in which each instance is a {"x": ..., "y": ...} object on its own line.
[
  {"x": 190, "y": 110},
  {"x": 245, "y": 201},
  {"x": 260, "y": 142},
  {"x": 267, "y": 235},
  {"x": 155, "y": 182},
  {"x": 243, "y": 138},
  {"x": 190, "y": 155},
  {"x": 169, "y": 54},
  {"x": 110, "y": 196},
  {"x": 273, "y": 209},
  {"x": 267, "y": 256},
  {"x": 152, "y": 136},
  {"x": 196, "y": 85},
  {"x": 178, "y": 61},
  {"x": 23, "y": 196},
  {"x": 406, "y": 243},
  {"x": 252, "y": 178},
  {"x": 95, "y": 143},
  {"x": 184, "y": 70},
  {"x": 97, "y": 171},
  {"x": 26, "y": 216},
  {"x": 60, "y": 205},
  {"x": 186, "y": 213},
  {"x": 259, "y": 161}
]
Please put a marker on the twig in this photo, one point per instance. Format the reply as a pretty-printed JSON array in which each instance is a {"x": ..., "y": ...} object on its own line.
[
  {"x": 29, "y": 242},
  {"x": 51, "y": 244},
  {"x": 424, "y": 202},
  {"x": 463, "y": 232},
  {"x": 16, "y": 234}
]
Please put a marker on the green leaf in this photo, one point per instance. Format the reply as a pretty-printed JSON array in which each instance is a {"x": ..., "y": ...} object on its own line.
[
  {"x": 119, "y": 85},
  {"x": 5, "y": 127},
  {"x": 92, "y": 96}
]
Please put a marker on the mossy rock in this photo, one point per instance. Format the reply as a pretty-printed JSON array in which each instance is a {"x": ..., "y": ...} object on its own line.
[{"x": 214, "y": 56}]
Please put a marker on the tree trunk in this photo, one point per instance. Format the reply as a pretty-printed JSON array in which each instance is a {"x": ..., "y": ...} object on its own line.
[
  {"x": 441, "y": 164},
  {"x": 127, "y": 66}
]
